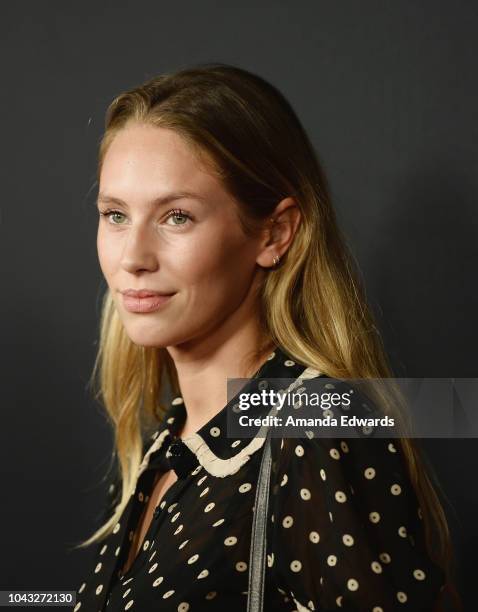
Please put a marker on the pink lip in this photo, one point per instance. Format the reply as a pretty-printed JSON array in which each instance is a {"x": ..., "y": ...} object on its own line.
[
  {"x": 142, "y": 293},
  {"x": 149, "y": 303}
]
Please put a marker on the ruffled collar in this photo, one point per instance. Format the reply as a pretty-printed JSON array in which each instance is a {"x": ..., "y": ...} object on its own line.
[{"x": 210, "y": 446}]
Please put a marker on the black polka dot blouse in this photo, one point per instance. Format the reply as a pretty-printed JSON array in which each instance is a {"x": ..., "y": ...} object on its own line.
[{"x": 344, "y": 529}]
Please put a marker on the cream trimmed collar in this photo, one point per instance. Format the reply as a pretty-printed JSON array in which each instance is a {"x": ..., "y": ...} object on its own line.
[{"x": 210, "y": 447}]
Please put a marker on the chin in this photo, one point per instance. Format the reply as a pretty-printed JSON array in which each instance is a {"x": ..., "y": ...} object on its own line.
[
  {"x": 150, "y": 340},
  {"x": 147, "y": 333},
  {"x": 156, "y": 334}
]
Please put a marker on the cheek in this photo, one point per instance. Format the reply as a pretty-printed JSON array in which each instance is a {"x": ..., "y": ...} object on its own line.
[
  {"x": 215, "y": 267},
  {"x": 106, "y": 253}
]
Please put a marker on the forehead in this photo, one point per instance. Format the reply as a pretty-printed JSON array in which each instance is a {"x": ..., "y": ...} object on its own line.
[{"x": 148, "y": 156}]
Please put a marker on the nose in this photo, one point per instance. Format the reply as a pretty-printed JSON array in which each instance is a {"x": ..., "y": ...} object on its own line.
[{"x": 139, "y": 252}]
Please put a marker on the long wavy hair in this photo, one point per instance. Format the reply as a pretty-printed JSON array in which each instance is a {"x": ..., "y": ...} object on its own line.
[{"x": 312, "y": 304}]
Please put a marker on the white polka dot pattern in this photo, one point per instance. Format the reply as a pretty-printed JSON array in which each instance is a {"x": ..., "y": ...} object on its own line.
[
  {"x": 346, "y": 507},
  {"x": 372, "y": 578}
]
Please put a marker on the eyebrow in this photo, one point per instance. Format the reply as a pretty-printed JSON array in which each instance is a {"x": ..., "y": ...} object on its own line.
[{"x": 158, "y": 201}]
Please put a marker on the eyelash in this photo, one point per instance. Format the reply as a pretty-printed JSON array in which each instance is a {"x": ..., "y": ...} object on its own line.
[{"x": 174, "y": 212}]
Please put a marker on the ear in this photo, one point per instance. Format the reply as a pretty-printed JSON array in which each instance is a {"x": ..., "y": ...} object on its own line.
[{"x": 279, "y": 232}]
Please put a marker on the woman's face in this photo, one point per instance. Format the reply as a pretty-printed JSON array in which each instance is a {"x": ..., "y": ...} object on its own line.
[{"x": 151, "y": 238}]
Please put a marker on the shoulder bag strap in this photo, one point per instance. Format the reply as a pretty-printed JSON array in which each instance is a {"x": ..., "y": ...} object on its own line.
[{"x": 257, "y": 555}]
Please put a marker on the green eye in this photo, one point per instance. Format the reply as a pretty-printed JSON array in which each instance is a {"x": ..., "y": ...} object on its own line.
[
  {"x": 119, "y": 217},
  {"x": 116, "y": 214},
  {"x": 112, "y": 213},
  {"x": 178, "y": 213}
]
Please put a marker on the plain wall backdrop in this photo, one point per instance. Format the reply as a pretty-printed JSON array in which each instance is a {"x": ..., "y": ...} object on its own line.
[{"x": 388, "y": 94}]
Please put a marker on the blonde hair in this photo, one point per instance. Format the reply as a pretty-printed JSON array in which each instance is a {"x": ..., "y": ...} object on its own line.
[{"x": 312, "y": 305}]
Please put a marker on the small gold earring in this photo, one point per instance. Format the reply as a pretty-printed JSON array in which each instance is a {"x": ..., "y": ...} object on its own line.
[{"x": 275, "y": 260}]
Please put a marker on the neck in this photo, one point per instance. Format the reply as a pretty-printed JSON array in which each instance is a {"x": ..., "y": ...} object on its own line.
[{"x": 203, "y": 369}]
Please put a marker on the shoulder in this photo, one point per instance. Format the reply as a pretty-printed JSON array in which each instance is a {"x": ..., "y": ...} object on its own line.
[
  {"x": 360, "y": 449},
  {"x": 363, "y": 466}
]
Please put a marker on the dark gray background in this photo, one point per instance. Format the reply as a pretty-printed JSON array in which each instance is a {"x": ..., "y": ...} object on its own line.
[{"x": 388, "y": 94}]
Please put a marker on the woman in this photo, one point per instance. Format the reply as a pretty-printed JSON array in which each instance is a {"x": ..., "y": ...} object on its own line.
[{"x": 223, "y": 259}]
